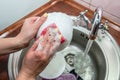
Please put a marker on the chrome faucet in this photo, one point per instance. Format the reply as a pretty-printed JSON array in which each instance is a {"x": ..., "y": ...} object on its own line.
[
  {"x": 96, "y": 23},
  {"x": 82, "y": 20}
]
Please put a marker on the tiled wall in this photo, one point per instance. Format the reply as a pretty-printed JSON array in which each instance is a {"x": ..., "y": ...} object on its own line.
[{"x": 111, "y": 7}]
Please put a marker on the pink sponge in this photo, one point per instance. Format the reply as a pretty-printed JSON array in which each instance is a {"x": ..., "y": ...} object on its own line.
[{"x": 54, "y": 29}]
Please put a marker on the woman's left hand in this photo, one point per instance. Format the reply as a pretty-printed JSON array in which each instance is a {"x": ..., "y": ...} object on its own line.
[{"x": 30, "y": 28}]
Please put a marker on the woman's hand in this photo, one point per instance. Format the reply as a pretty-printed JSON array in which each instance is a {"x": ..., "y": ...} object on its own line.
[
  {"x": 28, "y": 32},
  {"x": 30, "y": 28},
  {"x": 35, "y": 61}
]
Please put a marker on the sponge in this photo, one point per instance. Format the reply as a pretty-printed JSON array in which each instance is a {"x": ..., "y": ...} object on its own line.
[{"x": 53, "y": 29}]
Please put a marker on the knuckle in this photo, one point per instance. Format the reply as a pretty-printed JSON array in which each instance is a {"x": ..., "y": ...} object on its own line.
[
  {"x": 44, "y": 58},
  {"x": 38, "y": 55},
  {"x": 26, "y": 19},
  {"x": 42, "y": 20}
]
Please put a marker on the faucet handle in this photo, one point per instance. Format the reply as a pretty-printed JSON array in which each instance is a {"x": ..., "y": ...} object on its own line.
[
  {"x": 81, "y": 19},
  {"x": 85, "y": 18},
  {"x": 104, "y": 26},
  {"x": 83, "y": 12}
]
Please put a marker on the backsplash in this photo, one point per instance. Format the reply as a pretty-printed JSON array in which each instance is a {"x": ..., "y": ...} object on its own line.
[
  {"x": 110, "y": 7},
  {"x": 11, "y": 11}
]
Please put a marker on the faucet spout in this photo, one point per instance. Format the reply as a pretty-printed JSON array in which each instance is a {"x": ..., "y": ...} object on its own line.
[{"x": 95, "y": 23}]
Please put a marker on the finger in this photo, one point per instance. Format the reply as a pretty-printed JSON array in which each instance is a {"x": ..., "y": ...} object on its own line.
[
  {"x": 49, "y": 44},
  {"x": 54, "y": 48},
  {"x": 41, "y": 20},
  {"x": 43, "y": 41},
  {"x": 45, "y": 37},
  {"x": 47, "y": 33},
  {"x": 32, "y": 19},
  {"x": 40, "y": 45},
  {"x": 35, "y": 45},
  {"x": 46, "y": 49}
]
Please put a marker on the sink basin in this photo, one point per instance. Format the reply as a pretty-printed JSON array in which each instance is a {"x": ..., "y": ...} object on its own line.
[{"x": 104, "y": 53}]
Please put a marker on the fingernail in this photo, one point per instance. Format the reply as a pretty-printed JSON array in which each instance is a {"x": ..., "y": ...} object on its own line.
[
  {"x": 60, "y": 36},
  {"x": 45, "y": 14}
]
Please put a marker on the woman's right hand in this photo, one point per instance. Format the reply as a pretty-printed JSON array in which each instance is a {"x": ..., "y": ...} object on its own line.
[{"x": 35, "y": 61}]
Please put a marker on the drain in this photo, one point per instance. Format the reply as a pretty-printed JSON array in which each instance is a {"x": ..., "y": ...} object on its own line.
[{"x": 70, "y": 59}]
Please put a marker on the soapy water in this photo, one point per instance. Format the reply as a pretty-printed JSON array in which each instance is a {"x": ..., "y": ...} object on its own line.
[
  {"x": 83, "y": 64},
  {"x": 88, "y": 46}
]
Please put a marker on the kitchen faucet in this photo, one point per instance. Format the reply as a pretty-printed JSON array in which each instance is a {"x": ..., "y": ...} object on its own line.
[{"x": 95, "y": 23}]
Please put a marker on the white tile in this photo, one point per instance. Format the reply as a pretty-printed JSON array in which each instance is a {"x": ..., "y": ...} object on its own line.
[
  {"x": 82, "y": 3},
  {"x": 111, "y": 17},
  {"x": 111, "y": 8}
]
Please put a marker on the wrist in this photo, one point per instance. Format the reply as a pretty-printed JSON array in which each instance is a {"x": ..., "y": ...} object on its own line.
[
  {"x": 24, "y": 76},
  {"x": 21, "y": 41}
]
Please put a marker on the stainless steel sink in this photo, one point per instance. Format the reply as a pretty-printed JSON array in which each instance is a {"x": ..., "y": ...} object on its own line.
[{"x": 104, "y": 53}]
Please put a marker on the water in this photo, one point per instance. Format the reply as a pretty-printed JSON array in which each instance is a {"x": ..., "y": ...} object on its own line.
[
  {"x": 87, "y": 49},
  {"x": 78, "y": 59},
  {"x": 83, "y": 64}
]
